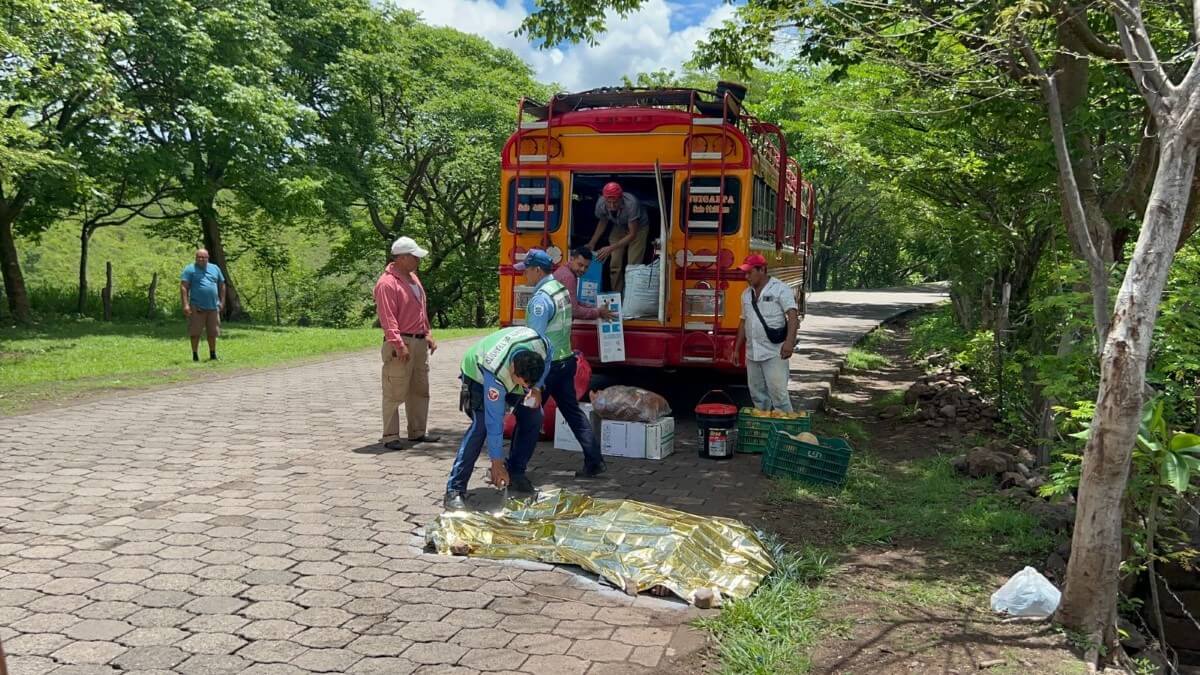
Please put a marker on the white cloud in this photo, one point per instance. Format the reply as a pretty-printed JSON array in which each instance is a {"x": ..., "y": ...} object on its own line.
[{"x": 641, "y": 42}]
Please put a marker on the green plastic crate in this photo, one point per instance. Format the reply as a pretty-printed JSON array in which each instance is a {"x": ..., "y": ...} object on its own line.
[
  {"x": 754, "y": 432},
  {"x": 825, "y": 463}
]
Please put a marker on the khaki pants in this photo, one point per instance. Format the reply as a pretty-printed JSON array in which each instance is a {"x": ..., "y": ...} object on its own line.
[
  {"x": 405, "y": 383},
  {"x": 630, "y": 255},
  {"x": 201, "y": 320}
]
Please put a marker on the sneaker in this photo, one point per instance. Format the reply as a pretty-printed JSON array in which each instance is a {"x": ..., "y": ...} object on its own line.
[
  {"x": 425, "y": 438},
  {"x": 396, "y": 445},
  {"x": 455, "y": 501},
  {"x": 522, "y": 484},
  {"x": 591, "y": 471}
]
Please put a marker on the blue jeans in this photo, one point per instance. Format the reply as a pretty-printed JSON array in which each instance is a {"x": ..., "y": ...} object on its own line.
[
  {"x": 525, "y": 436},
  {"x": 560, "y": 385}
]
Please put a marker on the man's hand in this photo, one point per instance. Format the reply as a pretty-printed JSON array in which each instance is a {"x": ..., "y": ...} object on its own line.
[
  {"x": 187, "y": 310},
  {"x": 536, "y": 395},
  {"x": 401, "y": 351},
  {"x": 603, "y": 253},
  {"x": 499, "y": 474},
  {"x": 786, "y": 351},
  {"x": 606, "y": 313},
  {"x": 432, "y": 343},
  {"x": 736, "y": 358}
]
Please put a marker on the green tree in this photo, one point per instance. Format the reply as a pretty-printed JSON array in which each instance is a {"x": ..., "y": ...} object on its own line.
[
  {"x": 1123, "y": 125},
  {"x": 56, "y": 93},
  {"x": 204, "y": 82},
  {"x": 412, "y": 124}
]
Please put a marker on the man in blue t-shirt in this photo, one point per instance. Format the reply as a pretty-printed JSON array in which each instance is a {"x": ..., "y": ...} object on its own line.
[{"x": 202, "y": 287}]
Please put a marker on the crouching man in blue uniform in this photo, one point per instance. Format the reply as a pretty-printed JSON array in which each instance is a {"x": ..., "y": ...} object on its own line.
[{"x": 498, "y": 372}]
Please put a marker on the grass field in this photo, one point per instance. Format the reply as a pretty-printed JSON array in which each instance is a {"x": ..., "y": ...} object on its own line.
[{"x": 62, "y": 360}]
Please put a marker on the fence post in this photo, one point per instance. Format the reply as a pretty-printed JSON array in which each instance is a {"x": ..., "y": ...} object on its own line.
[
  {"x": 106, "y": 294},
  {"x": 153, "y": 311}
]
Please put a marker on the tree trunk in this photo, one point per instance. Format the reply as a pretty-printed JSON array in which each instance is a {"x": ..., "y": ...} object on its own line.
[
  {"x": 821, "y": 280},
  {"x": 85, "y": 237},
  {"x": 10, "y": 266},
  {"x": 211, "y": 226},
  {"x": 1089, "y": 602},
  {"x": 275, "y": 290},
  {"x": 1196, "y": 420},
  {"x": 1046, "y": 427},
  {"x": 152, "y": 298},
  {"x": 106, "y": 294}
]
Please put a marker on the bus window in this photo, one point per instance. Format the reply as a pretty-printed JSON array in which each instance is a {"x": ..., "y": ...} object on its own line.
[
  {"x": 533, "y": 204},
  {"x": 763, "y": 210},
  {"x": 701, "y": 216}
]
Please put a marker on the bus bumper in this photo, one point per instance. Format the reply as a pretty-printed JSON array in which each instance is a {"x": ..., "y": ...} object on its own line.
[{"x": 658, "y": 348}]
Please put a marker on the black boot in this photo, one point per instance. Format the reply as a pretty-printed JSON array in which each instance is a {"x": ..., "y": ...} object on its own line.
[
  {"x": 591, "y": 471},
  {"x": 523, "y": 485}
]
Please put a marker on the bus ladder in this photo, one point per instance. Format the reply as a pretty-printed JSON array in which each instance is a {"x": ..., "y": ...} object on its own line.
[
  {"x": 528, "y": 224},
  {"x": 709, "y": 331}
]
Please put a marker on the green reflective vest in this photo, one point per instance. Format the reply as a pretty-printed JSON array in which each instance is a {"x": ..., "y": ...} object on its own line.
[
  {"x": 558, "y": 332},
  {"x": 494, "y": 354}
]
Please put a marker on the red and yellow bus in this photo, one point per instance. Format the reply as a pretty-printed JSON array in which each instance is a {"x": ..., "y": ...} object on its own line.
[{"x": 716, "y": 183}]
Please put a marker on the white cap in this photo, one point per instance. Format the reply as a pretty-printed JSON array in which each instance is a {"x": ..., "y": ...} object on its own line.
[{"x": 406, "y": 245}]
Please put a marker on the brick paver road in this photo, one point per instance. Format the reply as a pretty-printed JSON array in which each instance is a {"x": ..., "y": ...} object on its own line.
[{"x": 252, "y": 524}]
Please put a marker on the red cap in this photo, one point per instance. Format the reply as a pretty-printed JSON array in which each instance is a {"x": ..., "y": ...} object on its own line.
[
  {"x": 751, "y": 261},
  {"x": 613, "y": 189}
]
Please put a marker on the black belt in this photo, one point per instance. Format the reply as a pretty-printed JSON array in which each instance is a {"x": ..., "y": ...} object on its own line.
[{"x": 415, "y": 336}]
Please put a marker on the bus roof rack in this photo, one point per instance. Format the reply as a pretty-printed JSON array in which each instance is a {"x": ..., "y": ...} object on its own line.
[{"x": 629, "y": 97}]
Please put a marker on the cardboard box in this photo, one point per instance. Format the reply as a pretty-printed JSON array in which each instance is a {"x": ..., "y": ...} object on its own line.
[
  {"x": 612, "y": 333},
  {"x": 564, "y": 438},
  {"x": 638, "y": 440}
]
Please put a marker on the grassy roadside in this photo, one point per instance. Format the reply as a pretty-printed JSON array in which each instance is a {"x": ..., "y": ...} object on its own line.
[
  {"x": 906, "y": 539},
  {"x": 62, "y": 360},
  {"x": 963, "y": 523}
]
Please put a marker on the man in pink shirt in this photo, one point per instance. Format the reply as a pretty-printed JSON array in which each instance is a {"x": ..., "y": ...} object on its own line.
[
  {"x": 568, "y": 275},
  {"x": 407, "y": 344}
]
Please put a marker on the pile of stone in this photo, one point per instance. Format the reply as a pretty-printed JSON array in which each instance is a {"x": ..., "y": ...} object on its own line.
[
  {"x": 1012, "y": 465},
  {"x": 945, "y": 397}
]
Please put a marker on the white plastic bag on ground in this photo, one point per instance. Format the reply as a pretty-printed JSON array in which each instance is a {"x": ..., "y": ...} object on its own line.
[
  {"x": 1026, "y": 593},
  {"x": 641, "y": 291}
]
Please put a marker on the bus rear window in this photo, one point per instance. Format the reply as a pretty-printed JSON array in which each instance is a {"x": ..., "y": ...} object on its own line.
[
  {"x": 705, "y": 205},
  {"x": 532, "y": 204}
]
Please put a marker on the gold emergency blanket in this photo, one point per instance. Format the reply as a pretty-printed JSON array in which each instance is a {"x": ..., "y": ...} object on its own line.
[{"x": 633, "y": 545}]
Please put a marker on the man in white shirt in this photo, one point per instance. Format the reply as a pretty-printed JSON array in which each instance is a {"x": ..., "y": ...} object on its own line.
[{"x": 768, "y": 331}]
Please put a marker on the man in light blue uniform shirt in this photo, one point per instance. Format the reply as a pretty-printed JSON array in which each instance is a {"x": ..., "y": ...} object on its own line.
[
  {"x": 202, "y": 289},
  {"x": 549, "y": 312}
]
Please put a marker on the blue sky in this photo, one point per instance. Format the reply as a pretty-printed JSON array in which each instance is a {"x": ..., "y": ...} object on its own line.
[{"x": 663, "y": 34}]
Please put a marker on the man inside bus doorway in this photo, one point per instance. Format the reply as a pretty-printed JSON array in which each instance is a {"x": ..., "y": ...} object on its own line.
[
  {"x": 768, "y": 329},
  {"x": 624, "y": 218},
  {"x": 549, "y": 312}
]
